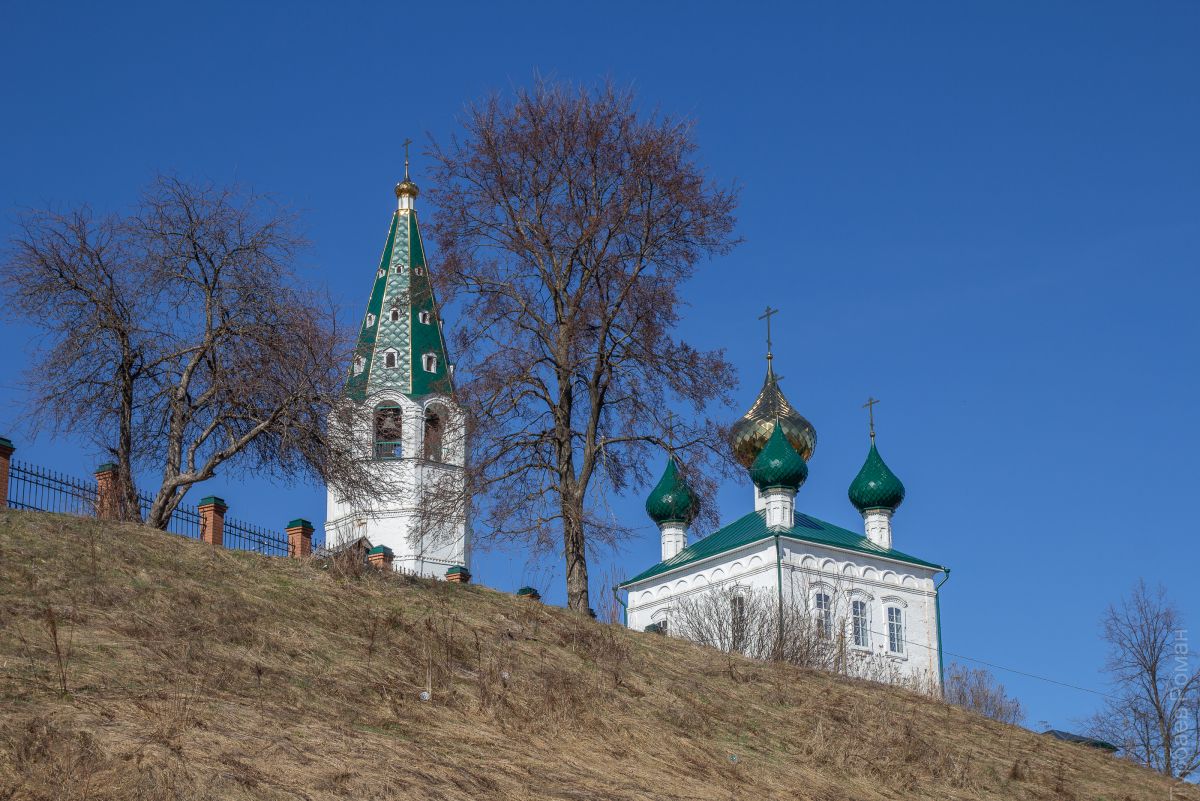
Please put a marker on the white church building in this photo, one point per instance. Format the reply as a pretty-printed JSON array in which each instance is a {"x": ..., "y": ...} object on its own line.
[
  {"x": 413, "y": 431},
  {"x": 874, "y": 608}
]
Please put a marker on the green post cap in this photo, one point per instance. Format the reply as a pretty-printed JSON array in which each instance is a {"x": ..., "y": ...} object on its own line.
[
  {"x": 672, "y": 500},
  {"x": 457, "y": 569},
  {"x": 107, "y": 467},
  {"x": 383, "y": 549},
  {"x": 529, "y": 592},
  {"x": 7, "y": 444},
  {"x": 778, "y": 464},
  {"x": 300, "y": 522},
  {"x": 215, "y": 501},
  {"x": 875, "y": 486}
]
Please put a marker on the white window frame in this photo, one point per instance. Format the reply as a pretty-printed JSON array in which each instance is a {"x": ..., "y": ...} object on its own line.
[
  {"x": 823, "y": 604},
  {"x": 424, "y": 317},
  {"x": 394, "y": 315},
  {"x": 429, "y": 362},
  {"x": 860, "y": 624},
  {"x": 895, "y": 630}
]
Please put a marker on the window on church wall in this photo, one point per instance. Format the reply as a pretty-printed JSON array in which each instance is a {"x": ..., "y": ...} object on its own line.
[
  {"x": 394, "y": 315},
  {"x": 389, "y": 359},
  {"x": 429, "y": 363},
  {"x": 388, "y": 429},
  {"x": 425, "y": 318},
  {"x": 737, "y": 613},
  {"x": 433, "y": 436},
  {"x": 824, "y": 615},
  {"x": 861, "y": 623},
  {"x": 895, "y": 619}
]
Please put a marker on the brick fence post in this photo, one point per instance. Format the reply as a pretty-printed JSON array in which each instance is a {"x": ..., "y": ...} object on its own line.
[
  {"x": 380, "y": 557},
  {"x": 299, "y": 533},
  {"x": 6, "y": 452},
  {"x": 212, "y": 520},
  {"x": 458, "y": 575},
  {"x": 106, "y": 491}
]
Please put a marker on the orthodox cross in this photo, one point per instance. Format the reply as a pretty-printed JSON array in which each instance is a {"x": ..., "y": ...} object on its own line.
[
  {"x": 407, "y": 142},
  {"x": 870, "y": 407},
  {"x": 671, "y": 432},
  {"x": 766, "y": 315}
]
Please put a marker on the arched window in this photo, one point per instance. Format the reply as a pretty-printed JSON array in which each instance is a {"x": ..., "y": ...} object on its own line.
[
  {"x": 424, "y": 317},
  {"x": 388, "y": 419},
  {"x": 395, "y": 315},
  {"x": 433, "y": 435},
  {"x": 429, "y": 362},
  {"x": 860, "y": 616},
  {"x": 824, "y": 615},
  {"x": 389, "y": 358},
  {"x": 895, "y": 621}
]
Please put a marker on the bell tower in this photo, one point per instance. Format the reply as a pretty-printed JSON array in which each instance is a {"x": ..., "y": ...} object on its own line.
[{"x": 413, "y": 431}]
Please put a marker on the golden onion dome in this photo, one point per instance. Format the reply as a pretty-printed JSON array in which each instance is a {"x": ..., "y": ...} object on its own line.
[
  {"x": 749, "y": 435},
  {"x": 407, "y": 188}
]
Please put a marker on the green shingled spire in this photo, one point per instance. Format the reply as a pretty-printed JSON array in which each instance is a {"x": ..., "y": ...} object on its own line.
[
  {"x": 875, "y": 486},
  {"x": 401, "y": 345},
  {"x": 672, "y": 500},
  {"x": 778, "y": 464}
]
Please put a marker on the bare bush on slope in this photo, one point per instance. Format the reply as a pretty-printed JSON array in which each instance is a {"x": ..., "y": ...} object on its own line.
[{"x": 194, "y": 673}]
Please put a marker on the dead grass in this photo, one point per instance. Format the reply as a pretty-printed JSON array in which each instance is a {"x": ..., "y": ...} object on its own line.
[{"x": 175, "y": 671}]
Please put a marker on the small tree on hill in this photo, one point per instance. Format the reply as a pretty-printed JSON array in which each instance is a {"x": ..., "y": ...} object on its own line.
[
  {"x": 1153, "y": 715},
  {"x": 179, "y": 339},
  {"x": 568, "y": 224},
  {"x": 978, "y": 690}
]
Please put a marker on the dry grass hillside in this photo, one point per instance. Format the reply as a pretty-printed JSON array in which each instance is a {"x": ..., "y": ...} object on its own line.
[{"x": 140, "y": 665}]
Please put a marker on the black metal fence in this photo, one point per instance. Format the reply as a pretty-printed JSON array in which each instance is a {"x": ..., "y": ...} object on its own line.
[
  {"x": 42, "y": 490},
  {"x": 247, "y": 537},
  {"x": 37, "y": 489}
]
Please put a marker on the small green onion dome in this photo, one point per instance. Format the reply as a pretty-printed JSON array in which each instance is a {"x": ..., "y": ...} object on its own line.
[
  {"x": 876, "y": 486},
  {"x": 672, "y": 500},
  {"x": 778, "y": 464}
]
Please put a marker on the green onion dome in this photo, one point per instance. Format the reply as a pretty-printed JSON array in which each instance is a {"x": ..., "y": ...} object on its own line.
[
  {"x": 749, "y": 435},
  {"x": 876, "y": 486},
  {"x": 672, "y": 500},
  {"x": 778, "y": 464}
]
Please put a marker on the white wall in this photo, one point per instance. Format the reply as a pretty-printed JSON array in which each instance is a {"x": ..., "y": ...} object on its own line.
[{"x": 806, "y": 569}]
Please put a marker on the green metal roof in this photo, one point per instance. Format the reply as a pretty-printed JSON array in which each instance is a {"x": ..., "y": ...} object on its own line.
[
  {"x": 753, "y": 527},
  {"x": 672, "y": 499},
  {"x": 778, "y": 464},
  {"x": 402, "y": 282},
  {"x": 875, "y": 486}
]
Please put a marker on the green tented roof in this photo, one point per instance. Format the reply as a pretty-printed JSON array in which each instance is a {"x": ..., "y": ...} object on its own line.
[
  {"x": 402, "y": 282},
  {"x": 753, "y": 527}
]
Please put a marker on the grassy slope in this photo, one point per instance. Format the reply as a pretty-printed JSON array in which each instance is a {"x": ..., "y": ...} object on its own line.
[{"x": 194, "y": 673}]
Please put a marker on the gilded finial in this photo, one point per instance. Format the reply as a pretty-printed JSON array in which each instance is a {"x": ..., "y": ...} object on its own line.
[
  {"x": 870, "y": 407},
  {"x": 406, "y": 188}
]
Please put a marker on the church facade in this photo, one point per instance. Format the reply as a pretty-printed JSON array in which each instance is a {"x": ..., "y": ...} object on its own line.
[
  {"x": 400, "y": 391},
  {"x": 778, "y": 580}
]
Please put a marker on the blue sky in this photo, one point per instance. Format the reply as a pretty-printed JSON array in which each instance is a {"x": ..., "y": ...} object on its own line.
[{"x": 985, "y": 214}]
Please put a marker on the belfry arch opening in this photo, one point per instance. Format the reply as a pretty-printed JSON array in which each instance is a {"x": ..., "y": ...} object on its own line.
[
  {"x": 389, "y": 427},
  {"x": 434, "y": 434}
]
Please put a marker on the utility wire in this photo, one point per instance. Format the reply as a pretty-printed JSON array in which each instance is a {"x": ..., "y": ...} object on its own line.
[{"x": 1002, "y": 667}]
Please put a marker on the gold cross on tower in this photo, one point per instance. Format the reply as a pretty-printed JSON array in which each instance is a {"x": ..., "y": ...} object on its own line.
[
  {"x": 870, "y": 407},
  {"x": 766, "y": 315},
  {"x": 407, "y": 142}
]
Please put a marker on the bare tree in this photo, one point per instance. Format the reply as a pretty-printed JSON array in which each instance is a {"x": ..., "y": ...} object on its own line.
[
  {"x": 179, "y": 339},
  {"x": 1153, "y": 715},
  {"x": 81, "y": 281},
  {"x": 978, "y": 690},
  {"x": 752, "y": 623},
  {"x": 568, "y": 224}
]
